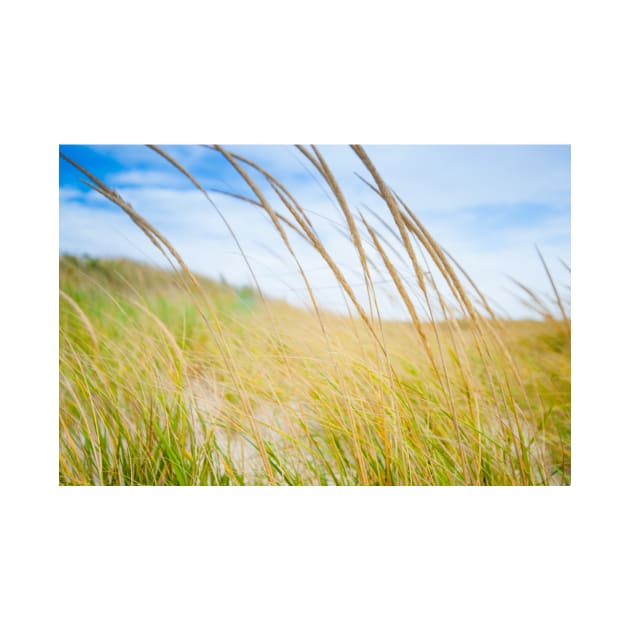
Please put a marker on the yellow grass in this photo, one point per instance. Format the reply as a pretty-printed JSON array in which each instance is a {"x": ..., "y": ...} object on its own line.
[{"x": 167, "y": 378}]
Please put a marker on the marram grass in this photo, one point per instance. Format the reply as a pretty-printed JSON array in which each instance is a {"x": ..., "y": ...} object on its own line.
[{"x": 171, "y": 379}]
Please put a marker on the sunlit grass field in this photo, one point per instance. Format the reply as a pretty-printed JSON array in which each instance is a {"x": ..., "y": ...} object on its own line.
[{"x": 167, "y": 378}]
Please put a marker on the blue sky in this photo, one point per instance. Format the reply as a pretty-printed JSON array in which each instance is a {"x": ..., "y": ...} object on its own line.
[{"x": 488, "y": 206}]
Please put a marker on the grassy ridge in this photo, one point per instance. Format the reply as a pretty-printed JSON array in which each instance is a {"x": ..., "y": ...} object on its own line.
[{"x": 163, "y": 381}]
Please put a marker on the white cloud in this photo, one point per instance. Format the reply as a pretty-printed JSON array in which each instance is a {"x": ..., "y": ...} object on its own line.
[
  {"x": 145, "y": 177},
  {"x": 435, "y": 179}
]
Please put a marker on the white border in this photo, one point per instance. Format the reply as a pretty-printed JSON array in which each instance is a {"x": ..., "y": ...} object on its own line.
[{"x": 482, "y": 72}]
